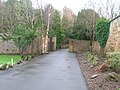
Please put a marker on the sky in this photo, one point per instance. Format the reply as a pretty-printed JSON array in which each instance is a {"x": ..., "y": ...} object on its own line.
[{"x": 74, "y": 5}]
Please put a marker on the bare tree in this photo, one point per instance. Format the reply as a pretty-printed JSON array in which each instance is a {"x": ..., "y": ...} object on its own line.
[
  {"x": 48, "y": 27},
  {"x": 110, "y": 9},
  {"x": 68, "y": 20},
  {"x": 93, "y": 19},
  {"x": 107, "y": 8}
]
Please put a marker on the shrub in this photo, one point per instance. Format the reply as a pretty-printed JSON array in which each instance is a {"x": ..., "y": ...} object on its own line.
[
  {"x": 114, "y": 60},
  {"x": 92, "y": 59},
  {"x": 102, "y": 31}
]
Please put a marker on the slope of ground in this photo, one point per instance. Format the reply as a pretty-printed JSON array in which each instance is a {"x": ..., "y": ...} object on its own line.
[{"x": 98, "y": 83}]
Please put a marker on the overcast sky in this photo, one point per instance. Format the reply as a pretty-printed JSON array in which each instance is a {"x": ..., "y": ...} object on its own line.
[{"x": 74, "y": 5}]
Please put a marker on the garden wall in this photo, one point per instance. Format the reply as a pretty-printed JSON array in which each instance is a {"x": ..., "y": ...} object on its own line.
[
  {"x": 113, "y": 43},
  {"x": 8, "y": 47},
  {"x": 82, "y": 45},
  {"x": 52, "y": 44},
  {"x": 37, "y": 47},
  {"x": 78, "y": 45}
]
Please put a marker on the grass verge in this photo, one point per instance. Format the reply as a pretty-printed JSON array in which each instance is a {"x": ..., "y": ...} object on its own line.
[{"x": 7, "y": 59}]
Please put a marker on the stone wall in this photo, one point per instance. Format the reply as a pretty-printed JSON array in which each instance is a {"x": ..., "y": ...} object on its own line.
[
  {"x": 113, "y": 43},
  {"x": 78, "y": 45},
  {"x": 37, "y": 47},
  {"x": 8, "y": 47},
  {"x": 64, "y": 46},
  {"x": 83, "y": 45},
  {"x": 52, "y": 44}
]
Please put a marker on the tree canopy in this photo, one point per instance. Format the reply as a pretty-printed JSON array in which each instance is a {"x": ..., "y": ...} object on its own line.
[
  {"x": 84, "y": 26},
  {"x": 57, "y": 28}
]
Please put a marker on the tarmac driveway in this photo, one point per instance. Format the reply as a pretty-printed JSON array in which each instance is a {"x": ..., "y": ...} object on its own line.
[{"x": 58, "y": 70}]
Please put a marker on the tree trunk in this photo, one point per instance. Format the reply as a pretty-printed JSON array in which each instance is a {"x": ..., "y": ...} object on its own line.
[
  {"x": 21, "y": 53},
  {"x": 32, "y": 49},
  {"x": 102, "y": 53},
  {"x": 91, "y": 45}
]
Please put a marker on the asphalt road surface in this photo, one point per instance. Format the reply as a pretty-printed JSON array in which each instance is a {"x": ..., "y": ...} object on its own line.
[{"x": 57, "y": 70}]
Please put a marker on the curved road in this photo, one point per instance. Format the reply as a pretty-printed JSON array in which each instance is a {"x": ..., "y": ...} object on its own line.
[{"x": 58, "y": 70}]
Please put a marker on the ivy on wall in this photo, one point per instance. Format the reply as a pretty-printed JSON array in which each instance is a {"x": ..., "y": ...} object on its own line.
[{"x": 102, "y": 31}]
